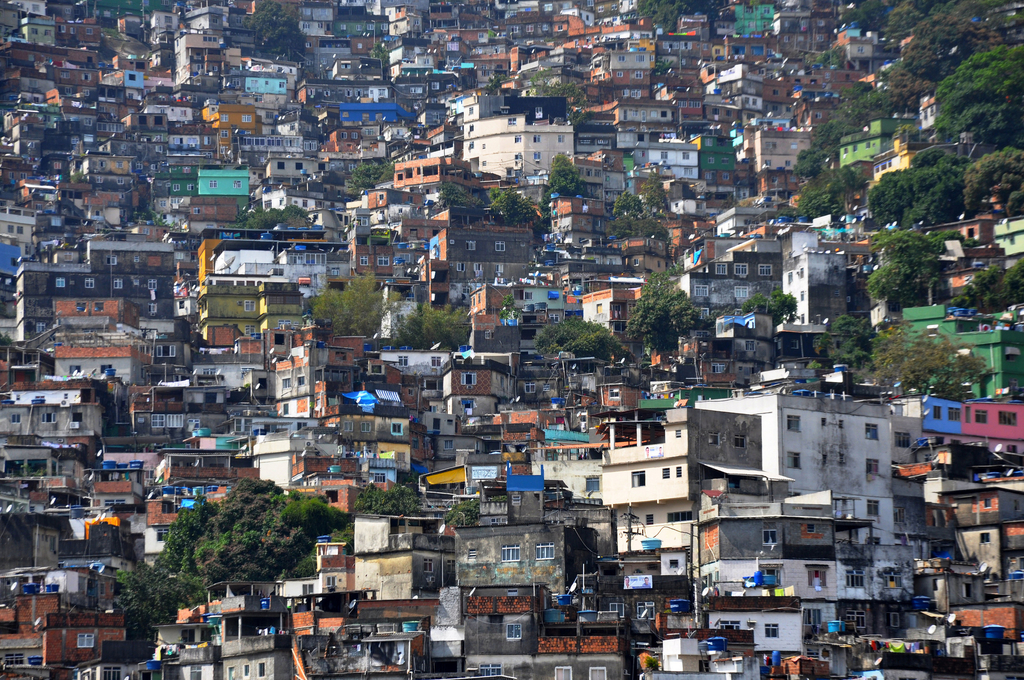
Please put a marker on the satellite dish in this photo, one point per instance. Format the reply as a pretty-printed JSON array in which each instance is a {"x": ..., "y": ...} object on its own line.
[
  {"x": 825, "y": 322},
  {"x": 518, "y": 398},
  {"x": 878, "y": 661},
  {"x": 52, "y": 501},
  {"x": 436, "y": 345},
  {"x": 572, "y": 588},
  {"x": 441, "y": 529},
  {"x": 37, "y": 622},
  {"x": 352, "y": 604},
  {"x": 983, "y": 567},
  {"x": 14, "y": 586},
  {"x": 931, "y": 629},
  {"x": 998, "y": 448},
  {"x": 951, "y": 618},
  {"x": 704, "y": 593}
]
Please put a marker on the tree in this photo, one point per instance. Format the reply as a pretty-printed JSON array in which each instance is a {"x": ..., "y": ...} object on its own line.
[
  {"x": 984, "y": 96},
  {"x": 662, "y": 314},
  {"x": 1013, "y": 284},
  {"x": 934, "y": 366},
  {"x": 427, "y": 326},
  {"x": 940, "y": 44},
  {"x": 661, "y": 67},
  {"x": 646, "y": 227},
  {"x": 909, "y": 269},
  {"x": 628, "y": 205},
  {"x": 996, "y": 179},
  {"x": 832, "y": 192},
  {"x": 508, "y": 308},
  {"x": 652, "y": 194},
  {"x": 368, "y": 175},
  {"x": 276, "y": 28},
  {"x": 151, "y": 596},
  {"x": 495, "y": 82},
  {"x": 901, "y": 22},
  {"x": 452, "y": 195},
  {"x": 265, "y": 220},
  {"x": 464, "y": 514},
  {"x": 398, "y": 500},
  {"x": 986, "y": 291},
  {"x": 666, "y": 13},
  {"x": 930, "y": 191},
  {"x": 810, "y": 163},
  {"x": 564, "y": 179},
  {"x": 848, "y": 341},
  {"x": 356, "y": 310},
  {"x": 582, "y": 338},
  {"x": 383, "y": 52},
  {"x": 515, "y": 209},
  {"x": 782, "y": 306},
  {"x": 869, "y": 15}
]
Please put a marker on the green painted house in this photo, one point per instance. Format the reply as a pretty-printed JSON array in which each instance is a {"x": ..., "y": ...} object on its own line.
[
  {"x": 1009, "y": 235},
  {"x": 865, "y": 145},
  {"x": 225, "y": 182},
  {"x": 1001, "y": 349},
  {"x": 754, "y": 18},
  {"x": 715, "y": 153}
]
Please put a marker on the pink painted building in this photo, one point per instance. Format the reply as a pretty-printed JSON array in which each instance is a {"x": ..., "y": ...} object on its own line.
[{"x": 994, "y": 422}]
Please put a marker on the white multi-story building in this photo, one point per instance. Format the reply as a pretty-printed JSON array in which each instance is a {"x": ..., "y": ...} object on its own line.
[{"x": 508, "y": 146}]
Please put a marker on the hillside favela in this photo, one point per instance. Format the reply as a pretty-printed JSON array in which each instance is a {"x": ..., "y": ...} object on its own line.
[{"x": 511, "y": 339}]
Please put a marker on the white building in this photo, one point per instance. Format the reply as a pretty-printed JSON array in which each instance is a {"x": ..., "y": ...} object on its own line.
[{"x": 506, "y": 145}]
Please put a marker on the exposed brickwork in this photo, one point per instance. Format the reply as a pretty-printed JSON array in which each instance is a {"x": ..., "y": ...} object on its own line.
[{"x": 590, "y": 644}]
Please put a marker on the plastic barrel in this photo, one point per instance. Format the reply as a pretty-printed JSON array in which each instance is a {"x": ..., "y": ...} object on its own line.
[
  {"x": 717, "y": 644},
  {"x": 564, "y": 600},
  {"x": 994, "y": 632},
  {"x": 776, "y": 658},
  {"x": 650, "y": 543}
]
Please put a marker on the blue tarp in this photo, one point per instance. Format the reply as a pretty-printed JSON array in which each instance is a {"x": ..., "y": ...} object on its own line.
[
  {"x": 523, "y": 482},
  {"x": 363, "y": 399},
  {"x": 416, "y": 467}
]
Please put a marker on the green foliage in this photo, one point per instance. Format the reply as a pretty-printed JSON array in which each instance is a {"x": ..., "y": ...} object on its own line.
[
  {"x": 901, "y": 22},
  {"x": 515, "y": 209},
  {"x": 452, "y": 195},
  {"x": 834, "y": 57},
  {"x": 494, "y": 83},
  {"x": 265, "y": 220},
  {"x": 582, "y": 338},
  {"x": 666, "y": 13},
  {"x": 1013, "y": 284},
  {"x": 986, "y": 291},
  {"x": 151, "y": 596},
  {"x": 782, "y": 306},
  {"x": 941, "y": 43},
  {"x": 382, "y": 52},
  {"x": 428, "y": 326},
  {"x": 356, "y": 310},
  {"x": 647, "y": 227},
  {"x": 928, "y": 365},
  {"x": 277, "y": 29},
  {"x": 909, "y": 269},
  {"x": 255, "y": 534},
  {"x": 983, "y": 96},
  {"x": 564, "y": 179},
  {"x": 464, "y": 514},
  {"x": 661, "y": 68},
  {"x": 628, "y": 205},
  {"x": 368, "y": 175},
  {"x": 575, "y": 95},
  {"x": 508, "y": 308},
  {"x": 810, "y": 163},
  {"x": 930, "y": 191},
  {"x": 848, "y": 341},
  {"x": 831, "y": 192},
  {"x": 398, "y": 500},
  {"x": 662, "y": 314},
  {"x": 869, "y": 15},
  {"x": 999, "y": 178},
  {"x": 652, "y": 194}
]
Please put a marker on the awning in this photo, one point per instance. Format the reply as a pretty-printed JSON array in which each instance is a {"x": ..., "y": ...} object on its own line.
[
  {"x": 416, "y": 467},
  {"x": 931, "y": 614},
  {"x": 388, "y": 395},
  {"x": 450, "y": 476},
  {"x": 747, "y": 472}
]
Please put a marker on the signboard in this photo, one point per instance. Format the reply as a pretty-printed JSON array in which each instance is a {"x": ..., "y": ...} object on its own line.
[
  {"x": 655, "y": 451},
  {"x": 823, "y": 221},
  {"x": 637, "y": 582},
  {"x": 484, "y": 472}
]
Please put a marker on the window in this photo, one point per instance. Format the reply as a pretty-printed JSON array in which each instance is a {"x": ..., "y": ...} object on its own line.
[
  {"x": 593, "y": 484},
  {"x": 873, "y": 508},
  {"x": 261, "y": 669},
  {"x": 469, "y": 379},
  {"x": 286, "y": 383},
  {"x": 902, "y": 439},
  {"x": 90, "y": 283},
  {"x": 15, "y": 418},
  {"x": 793, "y": 459},
  {"x": 645, "y": 610},
  {"x": 86, "y": 640},
  {"x": 855, "y": 578},
  {"x": 953, "y": 414},
  {"x": 856, "y": 617},
  {"x": 563, "y": 672},
  {"x": 151, "y": 284},
  {"x": 721, "y": 269},
  {"x": 893, "y": 579},
  {"x": 545, "y": 551},
  {"x": 739, "y": 269},
  {"x": 894, "y": 619},
  {"x": 871, "y": 431},
  {"x": 111, "y": 260},
  {"x": 159, "y": 420},
  {"x": 250, "y": 305},
  {"x": 59, "y": 282},
  {"x": 871, "y": 465},
  {"x": 49, "y": 417},
  {"x": 729, "y": 625},
  {"x": 649, "y": 519},
  {"x": 686, "y": 516},
  {"x": 715, "y": 439},
  {"x": 899, "y": 515},
  {"x": 764, "y": 270},
  {"x": 510, "y": 553},
  {"x": 490, "y": 669},
  {"x": 598, "y": 674},
  {"x": 985, "y": 537},
  {"x": 771, "y": 630},
  {"x": 383, "y": 260},
  {"x": 666, "y": 473},
  {"x": 769, "y": 537},
  {"x": 700, "y": 291},
  {"x": 1008, "y": 418},
  {"x": 742, "y": 292},
  {"x": 981, "y": 417},
  {"x": 365, "y": 427},
  {"x": 499, "y": 246},
  {"x": 739, "y": 441},
  {"x": 815, "y": 578},
  {"x": 793, "y": 423},
  {"x": 639, "y": 479}
]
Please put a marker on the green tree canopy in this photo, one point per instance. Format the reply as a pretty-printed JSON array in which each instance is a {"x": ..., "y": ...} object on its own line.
[
  {"x": 1013, "y": 284},
  {"x": 464, "y": 514},
  {"x": 427, "y": 326},
  {"x": 653, "y": 195},
  {"x": 368, "y": 175},
  {"x": 265, "y": 220},
  {"x": 984, "y": 96},
  {"x": 356, "y": 310},
  {"x": 151, "y": 596},
  {"x": 782, "y": 306},
  {"x": 909, "y": 268},
  {"x": 662, "y": 314},
  {"x": 564, "y": 179},
  {"x": 928, "y": 365},
  {"x": 986, "y": 291},
  {"x": 515, "y": 209},
  {"x": 398, "y": 500},
  {"x": 997, "y": 178},
  {"x": 277, "y": 29},
  {"x": 628, "y": 205},
  {"x": 452, "y": 195},
  {"x": 810, "y": 163},
  {"x": 848, "y": 341},
  {"x": 930, "y": 191},
  {"x": 582, "y": 338},
  {"x": 646, "y": 227},
  {"x": 901, "y": 21},
  {"x": 869, "y": 15}
]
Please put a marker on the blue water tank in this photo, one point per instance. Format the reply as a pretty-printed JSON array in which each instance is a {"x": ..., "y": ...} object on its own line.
[
  {"x": 776, "y": 658},
  {"x": 717, "y": 644}
]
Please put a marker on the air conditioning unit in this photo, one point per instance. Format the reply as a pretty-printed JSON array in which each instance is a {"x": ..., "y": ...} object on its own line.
[
  {"x": 74, "y": 426},
  {"x": 429, "y": 578}
]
